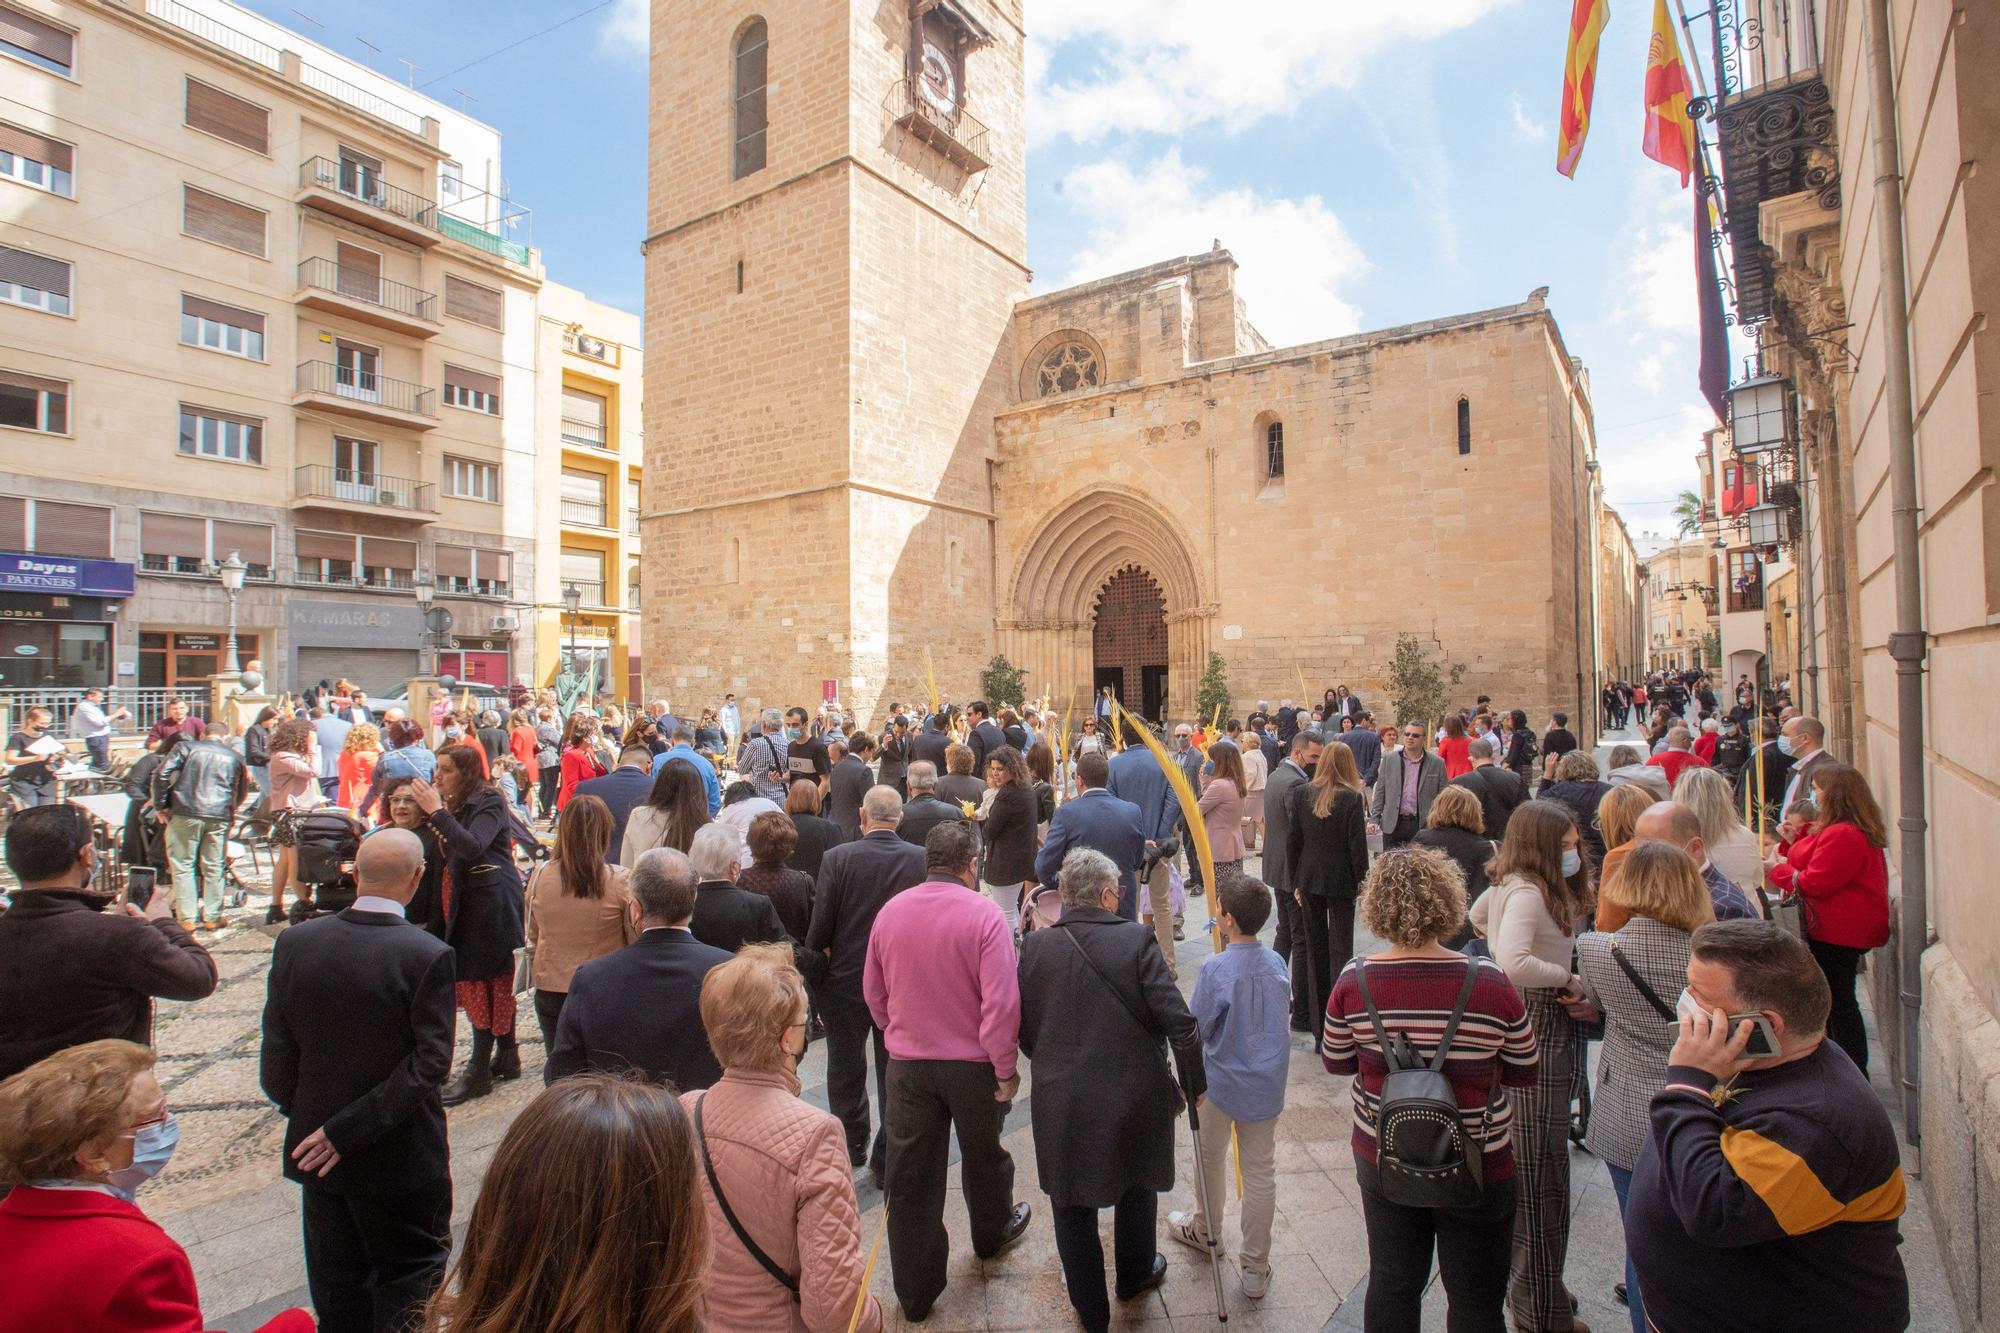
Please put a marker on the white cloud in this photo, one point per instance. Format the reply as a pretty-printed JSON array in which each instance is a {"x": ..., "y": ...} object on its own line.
[
  {"x": 1294, "y": 254},
  {"x": 1526, "y": 128},
  {"x": 1162, "y": 66},
  {"x": 627, "y": 28},
  {"x": 1647, "y": 463}
]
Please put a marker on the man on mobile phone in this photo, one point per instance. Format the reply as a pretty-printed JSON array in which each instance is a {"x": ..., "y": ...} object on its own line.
[{"x": 78, "y": 963}]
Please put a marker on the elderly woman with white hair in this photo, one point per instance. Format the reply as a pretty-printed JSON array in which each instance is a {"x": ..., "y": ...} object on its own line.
[
  {"x": 1098, "y": 1007},
  {"x": 725, "y": 916}
]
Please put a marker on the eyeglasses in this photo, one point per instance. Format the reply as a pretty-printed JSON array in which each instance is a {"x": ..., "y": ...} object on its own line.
[{"x": 136, "y": 1130}]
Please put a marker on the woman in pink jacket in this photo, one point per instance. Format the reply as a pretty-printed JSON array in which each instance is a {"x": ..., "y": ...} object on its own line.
[{"x": 781, "y": 1165}]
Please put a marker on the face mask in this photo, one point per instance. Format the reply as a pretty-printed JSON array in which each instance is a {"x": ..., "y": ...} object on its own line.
[
  {"x": 152, "y": 1148},
  {"x": 1785, "y": 746},
  {"x": 793, "y": 733},
  {"x": 1572, "y": 862},
  {"x": 453, "y": 733}
]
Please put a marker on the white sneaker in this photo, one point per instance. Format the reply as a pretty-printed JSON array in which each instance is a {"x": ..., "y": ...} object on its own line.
[
  {"x": 1256, "y": 1281},
  {"x": 1181, "y": 1227}
]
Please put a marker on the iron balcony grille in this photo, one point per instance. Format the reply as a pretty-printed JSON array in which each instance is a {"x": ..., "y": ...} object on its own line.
[
  {"x": 361, "y": 285},
  {"x": 361, "y": 182},
  {"x": 583, "y": 513},
  {"x": 592, "y": 590},
  {"x": 365, "y": 386},
  {"x": 577, "y": 431},
  {"x": 316, "y": 481},
  {"x": 958, "y": 135}
]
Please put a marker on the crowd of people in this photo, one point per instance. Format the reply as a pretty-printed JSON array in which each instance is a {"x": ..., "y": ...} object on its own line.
[{"x": 951, "y": 896}]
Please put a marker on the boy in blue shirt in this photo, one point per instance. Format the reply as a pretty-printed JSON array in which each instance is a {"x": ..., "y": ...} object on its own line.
[{"x": 1242, "y": 1004}]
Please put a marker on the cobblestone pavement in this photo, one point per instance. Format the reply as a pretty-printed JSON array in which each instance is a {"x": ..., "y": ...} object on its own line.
[{"x": 226, "y": 1202}]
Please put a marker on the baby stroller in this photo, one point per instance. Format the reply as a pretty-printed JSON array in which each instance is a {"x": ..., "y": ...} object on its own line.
[{"x": 327, "y": 840}]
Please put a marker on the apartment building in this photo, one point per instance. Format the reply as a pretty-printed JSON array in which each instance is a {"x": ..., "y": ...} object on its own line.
[
  {"x": 255, "y": 298},
  {"x": 1680, "y": 588},
  {"x": 1732, "y": 486},
  {"x": 589, "y": 362},
  {"x": 1621, "y": 598}
]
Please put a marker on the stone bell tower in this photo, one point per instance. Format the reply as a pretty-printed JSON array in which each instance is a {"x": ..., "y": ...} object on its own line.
[{"x": 836, "y": 238}]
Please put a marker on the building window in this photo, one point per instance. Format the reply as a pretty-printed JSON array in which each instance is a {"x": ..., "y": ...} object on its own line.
[
  {"x": 28, "y": 38},
  {"x": 210, "y": 217},
  {"x": 226, "y": 116},
  {"x": 1070, "y": 366},
  {"x": 206, "y": 433},
  {"x": 37, "y": 160},
  {"x": 632, "y": 588},
  {"x": 585, "y": 569},
  {"x": 474, "y": 303},
  {"x": 451, "y": 180},
  {"x": 470, "y": 479},
  {"x": 184, "y": 544},
  {"x": 473, "y": 571},
  {"x": 473, "y": 390},
  {"x": 1464, "y": 426},
  {"x": 33, "y": 280},
  {"x": 54, "y": 527},
  {"x": 29, "y": 402},
  {"x": 752, "y": 68},
  {"x": 583, "y": 498},
  {"x": 1274, "y": 451},
  {"x": 583, "y": 418},
  {"x": 221, "y": 328}
]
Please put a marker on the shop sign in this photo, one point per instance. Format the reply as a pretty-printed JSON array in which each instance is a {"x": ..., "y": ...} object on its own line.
[
  {"x": 351, "y": 625},
  {"x": 60, "y": 574},
  {"x": 23, "y": 606}
]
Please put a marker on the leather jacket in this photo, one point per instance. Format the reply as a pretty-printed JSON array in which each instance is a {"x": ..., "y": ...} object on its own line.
[{"x": 200, "y": 780}]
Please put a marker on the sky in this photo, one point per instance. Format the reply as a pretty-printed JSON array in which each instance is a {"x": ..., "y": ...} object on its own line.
[{"x": 1368, "y": 164}]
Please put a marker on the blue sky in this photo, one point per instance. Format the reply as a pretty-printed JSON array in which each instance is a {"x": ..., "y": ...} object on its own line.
[{"x": 1369, "y": 164}]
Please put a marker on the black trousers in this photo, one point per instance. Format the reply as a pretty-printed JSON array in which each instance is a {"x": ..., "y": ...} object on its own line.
[
  {"x": 1290, "y": 944},
  {"x": 548, "y": 1013},
  {"x": 551, "y": 784},
  {"x": 850, "y": 1033},
  {"x": 1474, "y": 1247},
  {"x": 928, "y": 1100},
  {"x": 1328, "y": 930},
  {"x": 1842, "y": 965},
  {"x": 1082, "y": 1253},
  {"x": 372, "y": 1260},
  {"x": 1400, "y": 836}
]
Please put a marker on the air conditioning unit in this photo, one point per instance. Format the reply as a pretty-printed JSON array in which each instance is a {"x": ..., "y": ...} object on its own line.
[{"x": 503, "y": 624}]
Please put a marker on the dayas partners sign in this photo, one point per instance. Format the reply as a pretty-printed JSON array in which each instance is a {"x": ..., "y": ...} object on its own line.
[{"x": 60, "y": 574}]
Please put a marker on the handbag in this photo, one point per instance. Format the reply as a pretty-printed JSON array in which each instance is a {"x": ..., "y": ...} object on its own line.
[
  {"x": 786, "y": 1280},
  {"x": 1789, "y": 912}
]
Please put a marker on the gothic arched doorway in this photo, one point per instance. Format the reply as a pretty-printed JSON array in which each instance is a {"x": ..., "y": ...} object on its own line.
[{"x": 1128, "y": 641}]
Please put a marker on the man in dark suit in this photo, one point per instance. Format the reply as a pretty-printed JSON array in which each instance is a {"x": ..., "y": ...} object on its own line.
[
  {"x": 639, "y": 1010},
  {"x": 1096, "y": 819},
  {"x": 855, "y": 879},
  {"x": 984, "y": 738},
  {"x": 621, "y": 789},
  {"x": 726, "y": 917},
  {"x": 926, "y": 809},
  {"x": 1500, "y": 790},
  {"x": 1366, "y": 742},
  {"x": 357, "y": 1041},
  {"x": 1290, "y": 942},
  {"x": 1135, "y": 776},
  {"x": 931, "y": 743},
  {"x": 848, "y": 783},
  {"x": 1409, "y": 781}
]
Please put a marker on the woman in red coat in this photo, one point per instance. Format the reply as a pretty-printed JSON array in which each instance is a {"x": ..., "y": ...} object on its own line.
[
  {"x": 1838, "y": 869},
  {"x": 579, "y": 755},
  {"x": 79, "y": 1132}
]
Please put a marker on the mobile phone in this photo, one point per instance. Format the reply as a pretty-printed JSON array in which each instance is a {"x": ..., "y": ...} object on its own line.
[
  {"x": 1763, "y": 1039},
  {"x": 139, "y": 884}
]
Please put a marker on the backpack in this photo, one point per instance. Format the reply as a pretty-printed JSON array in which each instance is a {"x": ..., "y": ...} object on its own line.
[{"x": 1424, "y": 1154}]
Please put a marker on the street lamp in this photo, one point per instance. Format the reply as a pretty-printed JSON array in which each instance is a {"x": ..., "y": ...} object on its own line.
[
  {"x": 425, "y": 586},
  {"x": 572, "y": 599},
  {"x": 231, "y": 572}
]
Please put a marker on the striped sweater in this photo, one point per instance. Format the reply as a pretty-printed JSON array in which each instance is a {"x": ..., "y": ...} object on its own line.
[{"x": 1494, "y": 1047}]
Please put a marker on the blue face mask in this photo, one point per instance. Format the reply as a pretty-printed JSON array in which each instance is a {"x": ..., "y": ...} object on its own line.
[
  {"x": 1572, "y": 862},
  {"x": 793, "y": 733},
  {"x": 1785, "y": 746},
  {"x": 453, "y": 733},
  {"x": 152, "y": 1147}
]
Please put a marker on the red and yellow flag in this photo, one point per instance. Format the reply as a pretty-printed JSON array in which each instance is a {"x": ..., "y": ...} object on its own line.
[
  {"x": 1669, "y": 128},
  {"x": 1586, "y": 24}
]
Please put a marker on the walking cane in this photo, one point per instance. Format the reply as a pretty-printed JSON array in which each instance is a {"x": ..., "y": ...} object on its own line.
[{"x": 1209, "y": 1215}]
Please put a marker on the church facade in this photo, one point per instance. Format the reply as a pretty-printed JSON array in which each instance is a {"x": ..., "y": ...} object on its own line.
[{"x": 873, "y": 458}]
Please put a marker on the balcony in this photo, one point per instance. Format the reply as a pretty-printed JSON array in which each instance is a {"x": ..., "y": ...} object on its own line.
[
  {"x": 191, "y": 566},
  {"x": 454, "y": 586},
  {"x": 359, "y": 194},
  {"x": 583, "y": 434},
  {"x": 1774, "y": 128},
  {"x": 592, "y": 590},
  {"x": 347, "y": 491},
  {"x": 583, "y": 514},
  {"x": 632, "y": 521},
  {"x": 955, "y": 134},
  {"x": 311, "y": 574},
  {"x": 325, "y": 285},
  {"x": 366, "y": 395}
]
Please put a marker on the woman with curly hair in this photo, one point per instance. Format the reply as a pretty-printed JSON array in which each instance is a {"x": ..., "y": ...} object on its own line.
[
  {"x": 358, "y": 756},
  {"x": 294, "y": 789}
]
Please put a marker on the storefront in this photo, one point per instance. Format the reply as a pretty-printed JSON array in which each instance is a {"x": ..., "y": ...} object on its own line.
[
  {"x": 56, "y": 620},
  {"x": 485, "y": 664},
  {"x": 374, "y": 646},
  {"x": 189, "y": 657}
]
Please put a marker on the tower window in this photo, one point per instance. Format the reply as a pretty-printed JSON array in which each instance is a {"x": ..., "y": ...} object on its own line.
[
  {"x": 752, "y": 50},
  {"x": 1274, "y": 451},
  {"x": 1464, "y": 426},
  {"x": 739, "y": 277}
]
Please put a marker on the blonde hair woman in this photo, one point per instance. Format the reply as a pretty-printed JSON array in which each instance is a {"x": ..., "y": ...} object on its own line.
[
  {"x": 781, "y": 1163},
  {"x": 1732, "y": 848}
]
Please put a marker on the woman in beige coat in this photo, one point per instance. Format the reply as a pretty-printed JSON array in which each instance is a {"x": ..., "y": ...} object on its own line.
[
  {"x": 579, "y": 907},
  {"x": 780, "y": 1162}
]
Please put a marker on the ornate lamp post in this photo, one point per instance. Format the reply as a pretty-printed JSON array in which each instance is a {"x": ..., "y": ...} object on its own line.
[
  {"x": 425, "y": 587},
  {"x": 572, "y": 600},
  {"x": 231, "y": 572}
]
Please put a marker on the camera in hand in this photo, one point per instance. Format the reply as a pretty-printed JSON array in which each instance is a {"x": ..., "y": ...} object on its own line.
[{"x": 139, "y": 884}]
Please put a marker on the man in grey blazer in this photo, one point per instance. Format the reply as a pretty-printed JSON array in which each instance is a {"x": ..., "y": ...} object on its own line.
[
  {"x": 1395, "y": 808},
  {"x": 1287, "y": 777}
]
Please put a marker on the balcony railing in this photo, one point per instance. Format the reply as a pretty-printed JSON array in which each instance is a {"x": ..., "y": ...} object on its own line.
[
  {"x": 224, "y": 36},
  {"x": 632, "y": 521},
  {"x": 195, "y": 567},
  {"x": 389, "y": 580},
  {"x": 361, "y": 285},
  {"x": 590, "y": 434},
  {"x": 456, "y": 586},
  {"x": 956, "y": 134},
  {"x": 471, "y": 233},
  {"x": 380, "y": 107},
  {"x": 593, "y": 591},
  {"x": 316, "y": 481},
  {"x": 357, "y": 181},
  {"x": 365, "y": 386},
  {"x": 583, "y": 513}
]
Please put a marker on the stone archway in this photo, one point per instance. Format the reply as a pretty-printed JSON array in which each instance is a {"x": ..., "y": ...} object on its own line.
[
  {"x": 1128, "y": 641},
  {"x": 1048, "y": 617}
]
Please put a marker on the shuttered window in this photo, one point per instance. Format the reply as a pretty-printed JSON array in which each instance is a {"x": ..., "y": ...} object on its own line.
[
  {"x": 227, "y": 116},
  {"x": 172, "y": 543},
  {"x": 454, "y": 563},
  {"x": 324, "y": 545},
  {"x": 37, "y": 42},
  {"x": 83, "y": 531},
  {"x": 583, "y": 416},
  {"x": 253, "y": 541},
  {"x": 223, "y": 221},
  {"x": 387, "y": 562},
  {"x": 358, "y": 273},
  {"x": 33, "y": 280},
  {"x": 221, "y": 328},
  {"x": 37, "y": 160},
  {"x": 13, "y": 523},
  {"x": 469, "y": 301},
  {"x": 473, "y": 389},
  {"x": 30, "y": 402}
]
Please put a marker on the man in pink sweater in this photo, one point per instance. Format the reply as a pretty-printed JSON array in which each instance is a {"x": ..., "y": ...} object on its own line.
[{"x": 941, "y": 984}]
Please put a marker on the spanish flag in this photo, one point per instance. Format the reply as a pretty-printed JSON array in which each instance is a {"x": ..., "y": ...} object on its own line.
[
  {"x": 1669, "y": 128},
  {"x": 1586, "y": 24}
]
